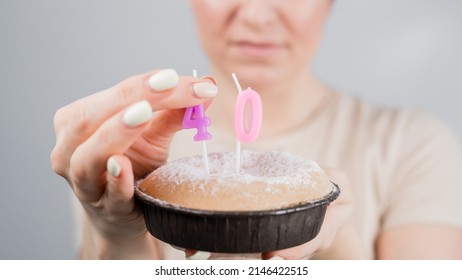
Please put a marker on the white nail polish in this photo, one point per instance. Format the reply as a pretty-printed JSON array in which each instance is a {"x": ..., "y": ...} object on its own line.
[
  {"x": 138, "y": 113},
  {"x": 276, "y": 257},
  {"x": 199, "y": 255},
  {"x": 113, "y": 168},
  {"x": 163, "y": 80},
  {"x": 205, "y": 90}
]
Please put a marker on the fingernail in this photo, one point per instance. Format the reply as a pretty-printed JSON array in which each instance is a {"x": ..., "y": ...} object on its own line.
[
  {"x": 205, "y": 90},
  {"x": 199, "y": 255},
  {"x": 163, "y": 80},
  {"x": 138, "y": 113},
  {"x": 275, "y": 257},
  {"x": 113, "y": 168},
  {"x": 210, "y": 78}
]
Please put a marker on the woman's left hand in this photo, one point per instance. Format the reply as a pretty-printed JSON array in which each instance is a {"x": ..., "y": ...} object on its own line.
[{"x": 337, "y": 238}]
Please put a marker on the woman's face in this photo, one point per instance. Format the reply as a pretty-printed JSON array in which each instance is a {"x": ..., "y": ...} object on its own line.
[{"x": 261, "y": 40}]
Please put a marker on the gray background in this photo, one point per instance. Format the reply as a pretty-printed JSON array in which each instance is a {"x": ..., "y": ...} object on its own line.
[{"x": 393, "y": 52}]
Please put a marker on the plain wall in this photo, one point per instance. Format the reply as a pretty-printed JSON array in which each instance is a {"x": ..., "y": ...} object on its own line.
[{"x": 392, "y": 52}]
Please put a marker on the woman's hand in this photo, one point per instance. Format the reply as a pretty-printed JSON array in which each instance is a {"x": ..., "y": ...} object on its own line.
[
  {"x": 106, "y": 140},
  {"x": 337, "y": 238}
]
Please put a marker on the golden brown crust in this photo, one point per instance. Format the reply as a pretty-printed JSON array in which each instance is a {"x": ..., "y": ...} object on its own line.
[{"x": 237, "y": 192}]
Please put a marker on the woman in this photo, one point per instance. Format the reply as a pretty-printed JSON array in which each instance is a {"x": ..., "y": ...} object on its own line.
[{"x": 399, "y": 170}]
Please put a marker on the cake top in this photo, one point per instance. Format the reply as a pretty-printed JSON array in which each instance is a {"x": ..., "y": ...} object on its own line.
[
  {"x": 269, "y": 167},
  {"x": 267, "y": 180}
]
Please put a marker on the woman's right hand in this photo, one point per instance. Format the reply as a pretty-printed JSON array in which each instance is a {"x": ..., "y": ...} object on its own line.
[{"x": 106, "y": 140}]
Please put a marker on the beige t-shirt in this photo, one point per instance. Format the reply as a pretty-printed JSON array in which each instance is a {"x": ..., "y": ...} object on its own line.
[{"x": 404, "y": 166}]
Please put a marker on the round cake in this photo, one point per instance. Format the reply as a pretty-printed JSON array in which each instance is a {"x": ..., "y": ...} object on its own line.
[
  {"x": 266, "y": 181},
  {"x": 275, "y": 201}
]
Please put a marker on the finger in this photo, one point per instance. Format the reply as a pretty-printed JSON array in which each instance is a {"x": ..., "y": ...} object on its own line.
[
  {"x": 168, "y": 122},
  {"x": 188, "y": 92},
  {"x": 337, "y": 176},
  {"x": 189, "y": 252},
  {"x": 344, "y": 203},
  {"x": 196, "y": 255},
  {"x": 115, "y": 136},
  {"x": 154, "y": 86},
  {"x": 336, "y": 216},
  {"x": 304, "y": 251},
  {"x": 156, "y": 141},
  {"x": 117, "y": 204},
  {"x": 163, "y": 89},
  {"x": 165, "y": 124}
]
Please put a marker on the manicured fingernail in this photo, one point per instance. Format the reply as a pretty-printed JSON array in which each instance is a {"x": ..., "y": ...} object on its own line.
[
  {"x": 113, "y": 167},
  {"x": 275, "y": 257},
  {"x": 205, "y": 90},
  {"x": 210, "y": 78},
  {"x": 199, "y": 255},
  {"x": 138, "y": 113},
  {"x": 163, "y": 80}
]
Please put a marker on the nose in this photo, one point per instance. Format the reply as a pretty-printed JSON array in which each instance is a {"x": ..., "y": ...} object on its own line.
[{"x": 257, "y": 13}]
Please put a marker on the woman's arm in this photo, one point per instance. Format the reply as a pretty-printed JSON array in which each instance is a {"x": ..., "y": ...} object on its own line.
[
  {"x": 422, "y": 218},
  {"x": 420, "y": 242}
]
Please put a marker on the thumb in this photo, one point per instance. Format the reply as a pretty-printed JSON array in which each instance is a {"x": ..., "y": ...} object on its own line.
[
  {"x": 166, "y": 123},
  {"x": 341, "y": 179}
]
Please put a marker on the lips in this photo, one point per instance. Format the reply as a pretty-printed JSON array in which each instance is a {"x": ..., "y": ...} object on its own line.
[{"x": 257, "y": 49}]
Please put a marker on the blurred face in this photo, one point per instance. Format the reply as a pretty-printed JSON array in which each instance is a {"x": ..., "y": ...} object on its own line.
[{"x": 261, "y": 40}]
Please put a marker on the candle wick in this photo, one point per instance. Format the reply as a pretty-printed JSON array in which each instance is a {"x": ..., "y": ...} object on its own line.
[
  {"x": 236, "y": 82},
  {"x": 238, "y": 156},
  {"x": 238, "y": 143},
  {"x": 204, "y": 157},
  {"x": 204, "y": 146}
]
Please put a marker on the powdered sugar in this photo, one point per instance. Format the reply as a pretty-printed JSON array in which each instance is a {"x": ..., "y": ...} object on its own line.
[
  {"x": 267, "y": 180},
  {"x": 268, "y": 167}
]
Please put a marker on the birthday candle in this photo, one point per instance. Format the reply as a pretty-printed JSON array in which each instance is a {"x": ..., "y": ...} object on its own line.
[
  {"x": 246, "y": 135},
  {"x": 194, "y": 117},
  {"x": 251, "y": 134}
]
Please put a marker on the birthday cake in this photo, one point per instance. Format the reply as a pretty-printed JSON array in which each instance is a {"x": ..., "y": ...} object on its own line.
[
  {"x": 246, "y": 202},
  {"x": 275, "y": 201},
  {"x": 265, "y": 181}
]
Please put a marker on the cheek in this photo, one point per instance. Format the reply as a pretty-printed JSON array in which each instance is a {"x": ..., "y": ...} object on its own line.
[
  {"x": 211, "y": 21},
  {"x": 306, "y": 26},
  {"x": 211, "y": 16}
]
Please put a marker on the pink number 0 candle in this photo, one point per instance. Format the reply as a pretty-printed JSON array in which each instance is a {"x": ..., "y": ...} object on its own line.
[
  {"x": 246, "y": 135},
  {"x": 248, "y": 96}
]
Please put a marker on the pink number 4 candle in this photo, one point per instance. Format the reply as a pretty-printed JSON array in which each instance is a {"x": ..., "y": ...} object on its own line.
[{"x": 194, "y": 117}]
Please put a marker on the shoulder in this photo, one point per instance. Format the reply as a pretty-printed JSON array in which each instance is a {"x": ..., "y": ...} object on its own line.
[
  {"x": 400, "y": 139},
  {"x": 413, "y": 158},
  {"x": 392, "y": 123}
]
